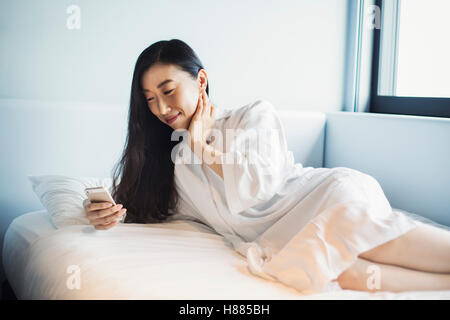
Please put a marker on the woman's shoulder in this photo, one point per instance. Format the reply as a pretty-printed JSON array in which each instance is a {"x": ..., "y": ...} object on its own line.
[
  {"x": 256, "y": 107},
  {"x": 255, "y": 104}
]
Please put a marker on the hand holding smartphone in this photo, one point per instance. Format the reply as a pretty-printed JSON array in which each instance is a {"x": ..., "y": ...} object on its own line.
[{"x": 103, "y": 210}]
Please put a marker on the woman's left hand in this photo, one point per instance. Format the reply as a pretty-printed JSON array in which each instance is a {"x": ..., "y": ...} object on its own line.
[{"x": 202, "y": 121}]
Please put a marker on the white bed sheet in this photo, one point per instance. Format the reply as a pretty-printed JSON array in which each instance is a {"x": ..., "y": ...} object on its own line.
[{"x": 177, "y": 260}]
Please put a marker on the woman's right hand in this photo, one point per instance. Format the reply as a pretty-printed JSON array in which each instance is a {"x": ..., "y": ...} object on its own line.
[{"x": 103, "y": 215}]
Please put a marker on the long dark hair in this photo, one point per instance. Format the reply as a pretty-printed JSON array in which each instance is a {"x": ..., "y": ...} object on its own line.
[{"x": 146, "y": 171}]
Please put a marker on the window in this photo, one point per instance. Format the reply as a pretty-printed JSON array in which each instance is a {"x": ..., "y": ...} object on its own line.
[{"x": 411, "y": 67}]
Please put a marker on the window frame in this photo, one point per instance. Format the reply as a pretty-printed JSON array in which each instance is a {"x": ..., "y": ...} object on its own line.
[{"x": 419, "y": 106}]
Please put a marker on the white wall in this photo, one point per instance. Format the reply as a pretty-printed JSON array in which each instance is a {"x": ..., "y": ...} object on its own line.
[{"x": 291, "y": 52}]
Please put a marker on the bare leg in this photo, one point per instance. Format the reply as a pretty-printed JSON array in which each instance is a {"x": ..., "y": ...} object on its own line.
[
  {"x": 425, "y": 248},
  {"x": 365, "y": 275}
]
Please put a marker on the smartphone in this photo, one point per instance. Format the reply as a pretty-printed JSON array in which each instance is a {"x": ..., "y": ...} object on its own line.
[{"x": 101, "y": 194}]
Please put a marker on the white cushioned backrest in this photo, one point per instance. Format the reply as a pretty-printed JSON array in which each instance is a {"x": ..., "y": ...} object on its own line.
[{"x": 305, "y": 134}]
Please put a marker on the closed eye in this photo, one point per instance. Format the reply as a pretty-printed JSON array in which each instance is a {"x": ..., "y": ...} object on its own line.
[{"x": 167, "y": 92}]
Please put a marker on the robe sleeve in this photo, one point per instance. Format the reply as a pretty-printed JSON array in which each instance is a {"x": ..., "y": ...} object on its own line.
[{"x": 256, "y": 160}]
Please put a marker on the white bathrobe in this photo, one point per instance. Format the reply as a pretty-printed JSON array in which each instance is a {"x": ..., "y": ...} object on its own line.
[{"x": 299, "y": 226}]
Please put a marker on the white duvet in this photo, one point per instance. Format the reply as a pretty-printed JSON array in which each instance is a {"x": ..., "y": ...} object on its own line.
[{"x": 176, "y": 260}]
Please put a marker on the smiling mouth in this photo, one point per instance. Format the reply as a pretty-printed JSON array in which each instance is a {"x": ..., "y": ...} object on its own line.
[{"x": 169, "y": 121}]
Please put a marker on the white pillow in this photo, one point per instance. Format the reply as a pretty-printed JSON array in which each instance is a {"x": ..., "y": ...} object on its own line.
[{"x": 63, "y": 196}]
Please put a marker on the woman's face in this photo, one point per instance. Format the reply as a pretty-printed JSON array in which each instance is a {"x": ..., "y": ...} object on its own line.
[{"x": 166, "y": 99}]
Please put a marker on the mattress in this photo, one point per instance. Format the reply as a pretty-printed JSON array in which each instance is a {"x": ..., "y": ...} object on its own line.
[{"x": 181, "y": 259}]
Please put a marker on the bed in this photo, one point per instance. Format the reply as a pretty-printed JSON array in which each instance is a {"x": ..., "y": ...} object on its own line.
[
  {"x": 184, "y": 259},
  {"x": 181, "y": 259}
]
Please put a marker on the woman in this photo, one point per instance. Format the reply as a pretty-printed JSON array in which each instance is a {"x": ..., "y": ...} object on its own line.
[{"x": 308, "y": 228}]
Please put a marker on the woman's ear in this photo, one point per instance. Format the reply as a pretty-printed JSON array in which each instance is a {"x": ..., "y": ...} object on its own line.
[{"x": 203, "y": 79}]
